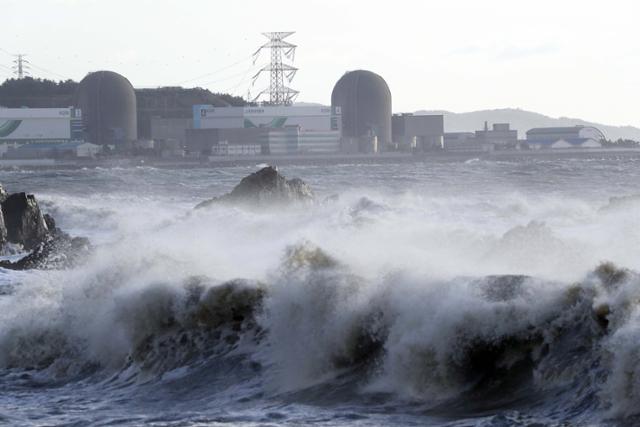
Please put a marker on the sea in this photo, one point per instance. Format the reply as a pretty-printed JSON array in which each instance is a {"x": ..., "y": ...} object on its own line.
[{"x": 461, "y": 293}]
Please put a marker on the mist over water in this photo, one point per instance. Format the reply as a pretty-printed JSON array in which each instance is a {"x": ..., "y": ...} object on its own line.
[{"x": 384, "y": 302}]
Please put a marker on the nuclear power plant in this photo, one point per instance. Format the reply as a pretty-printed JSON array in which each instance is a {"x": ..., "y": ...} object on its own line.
[
  {"x": 106, "y": 114},
  {"x": 364, "y": 100},
  {"x": 108, "y": 104}
]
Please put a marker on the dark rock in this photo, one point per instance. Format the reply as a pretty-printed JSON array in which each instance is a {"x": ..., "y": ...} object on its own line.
[
  {"x": 50, "y": 222},
  {"x": 3, "y": 229},
  {"x": 58, "y": 251},
  {"x": 23, "y": 220},
  {"x": 265, "y": 187}
]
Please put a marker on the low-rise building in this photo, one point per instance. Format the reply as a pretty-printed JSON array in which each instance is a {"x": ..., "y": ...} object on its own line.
[
  {"x": 564, "y": 137},
  {"x": 52, "y": 150},
  {"x": 279, "y": 129},
  {"x": 500, "y": 136},
  {"x": 465, "y": 142},
  {"x": 418, "y": 132}
]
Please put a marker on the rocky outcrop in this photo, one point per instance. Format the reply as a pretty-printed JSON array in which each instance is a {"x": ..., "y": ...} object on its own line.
[
  {"x": 59, "y": 251},
  {"x": 22, "y": 223},
  {"x": 265, "y": 187},
  {"x": 23, "y": 220},
  {"x": 3, "y": 227}
]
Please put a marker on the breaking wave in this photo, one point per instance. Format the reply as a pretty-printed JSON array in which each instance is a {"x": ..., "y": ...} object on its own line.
[{"x": 370, "y": 302}]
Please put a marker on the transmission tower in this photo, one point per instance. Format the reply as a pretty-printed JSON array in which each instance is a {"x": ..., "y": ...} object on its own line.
[
  {"x": 21, "y": 66},
  {"x": 279, "y": 94}
]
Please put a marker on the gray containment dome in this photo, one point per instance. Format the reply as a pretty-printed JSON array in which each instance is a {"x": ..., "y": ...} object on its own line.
[
  {"x": 365, "y": 102},
  {"x": 108, "y": 104}
]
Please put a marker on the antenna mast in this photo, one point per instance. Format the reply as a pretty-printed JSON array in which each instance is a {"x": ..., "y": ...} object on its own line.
[
  {"x": 21, "y": 67},
  {"x": 279, "y": 94}
]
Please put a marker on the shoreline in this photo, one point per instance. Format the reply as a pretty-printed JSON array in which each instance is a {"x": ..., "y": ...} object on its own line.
[{"x": 329, "y": 159}]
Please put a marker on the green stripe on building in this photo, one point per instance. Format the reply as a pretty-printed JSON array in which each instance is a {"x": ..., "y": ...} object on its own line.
[{"x": 8, "y": 127}]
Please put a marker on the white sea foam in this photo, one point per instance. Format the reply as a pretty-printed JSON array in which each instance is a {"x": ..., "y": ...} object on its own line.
[{"x": 407, "y": 274}]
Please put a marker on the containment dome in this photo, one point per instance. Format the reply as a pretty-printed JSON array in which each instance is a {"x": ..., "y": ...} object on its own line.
[
  {"x": 365, "y": 103},
  {"x": 108, "y": 104}
]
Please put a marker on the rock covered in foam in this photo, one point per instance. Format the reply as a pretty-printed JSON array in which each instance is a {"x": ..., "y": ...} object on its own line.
[
  {"x": 22, "y": 223},
  {"x": 267, "y": 186},
  {"x": 57, "y": 251}
]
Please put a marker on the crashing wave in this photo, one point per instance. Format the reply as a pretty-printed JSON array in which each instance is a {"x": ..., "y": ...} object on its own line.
[{"x": 314, "y": 322}]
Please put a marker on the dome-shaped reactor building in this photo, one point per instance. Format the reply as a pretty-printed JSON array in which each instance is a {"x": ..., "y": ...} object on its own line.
[
  {"x": 364, "y": 99},
  {"x": 108, "y": 104}
]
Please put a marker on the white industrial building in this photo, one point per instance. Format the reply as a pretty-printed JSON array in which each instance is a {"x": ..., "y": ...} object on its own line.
[
  {"x": 36, "y": 125},
  {"x": 278, "y": 129},
  {"x": 564, "y": 137}
]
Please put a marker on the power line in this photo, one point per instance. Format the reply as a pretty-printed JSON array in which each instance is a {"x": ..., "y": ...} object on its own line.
[
  {"x": 48, "y": 71},
  {"x": 233, "y": 76},
  {"x": 233, "y": 90},
  {"x": 216, "y": 71}
]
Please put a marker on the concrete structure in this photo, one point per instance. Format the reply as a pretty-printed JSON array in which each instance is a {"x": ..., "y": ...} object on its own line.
[
  {"x": 174, "y": 104},
  {"x": 279, "y": 129},
  {"x": 204, "y": 142},
  {"x": 170, "y": 129},
  {"x": 421, "y": 132},
  {"x": 500, "y": 136},
  {"x": 464, "y": 142},
  {"x": 48, "y": 150},
  {"x": 33, "y": 125},
  {"x": 223, "y": 148},
  {"x": 364, "y": 99},
  {"x": 108, "y": 103}
]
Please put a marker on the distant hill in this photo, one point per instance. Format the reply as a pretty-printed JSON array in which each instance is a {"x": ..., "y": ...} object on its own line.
[{"x": 523, "y": 121}]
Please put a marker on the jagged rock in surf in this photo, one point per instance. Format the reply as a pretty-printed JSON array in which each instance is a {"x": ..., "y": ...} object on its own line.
[
  {"x": 3, "y": 227},
  {"x": 267, "y": 186},
  {"x": 58, "y": 251},
  {"x": 24, "y": 221}
]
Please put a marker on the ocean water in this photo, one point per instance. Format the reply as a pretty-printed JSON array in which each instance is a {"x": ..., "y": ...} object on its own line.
[{"x": 476, "y": 293}]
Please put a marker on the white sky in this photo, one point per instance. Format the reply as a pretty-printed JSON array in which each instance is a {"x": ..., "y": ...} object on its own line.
[{"x": 560, "y": 58}]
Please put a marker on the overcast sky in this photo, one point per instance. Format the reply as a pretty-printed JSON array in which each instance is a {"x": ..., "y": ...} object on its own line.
[{"x": 561, "y": 58}]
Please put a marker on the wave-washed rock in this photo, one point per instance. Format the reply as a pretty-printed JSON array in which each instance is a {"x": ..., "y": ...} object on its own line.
[
  {"x": 22, "y": 223},
  {"x": 265, "y": 187}
]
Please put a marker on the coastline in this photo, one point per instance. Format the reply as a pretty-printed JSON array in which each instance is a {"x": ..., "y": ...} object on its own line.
[{"x": 337, "y": 158}]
